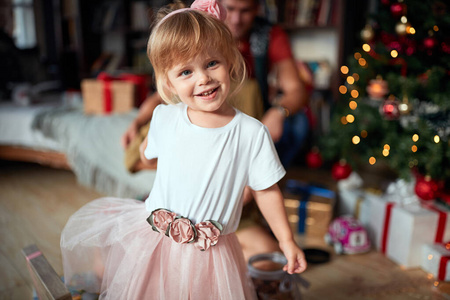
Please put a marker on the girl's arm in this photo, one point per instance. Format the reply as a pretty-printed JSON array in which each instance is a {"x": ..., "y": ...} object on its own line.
[
  {"x": 271, "y": 204},
  {"x": 149, "y": 162}
]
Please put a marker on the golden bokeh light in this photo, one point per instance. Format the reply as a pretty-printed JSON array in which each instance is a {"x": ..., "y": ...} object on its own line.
[
  {"x": 356, "y": 140},
  {"x": 410, "y": 30},
  {"x": 357, "y": 55},
  {"x": 363, "y": 134},
  {"x": 344, "y": 120},
  {"x": 350, "y": 80},
  {"x": 414, "y": 148},
  {"x": 415, "y": 137},
  {"x": 354, "y": 93},
  {"x": 394, "y": 53},
  {"x": 353, "y": 105},
  {"x": 342, "y": 89},
  {"x": 436, "y": 139},
  {"x": 362, "y": 62},
  {"x": 435, "y": 28},
  {"x": 356, "y": 76},
  {"x": 387, "y": 147},
  {"x": 372, "y": 160},
  {"x": 344, "y": 70},
  {"x": 385, "y": 152},
  {"x": 366, "y": 47},
  {"x": 350, "y": 118}
]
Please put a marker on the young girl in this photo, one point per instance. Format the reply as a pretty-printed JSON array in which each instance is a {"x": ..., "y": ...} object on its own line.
[{"x": 180, "y": 243}]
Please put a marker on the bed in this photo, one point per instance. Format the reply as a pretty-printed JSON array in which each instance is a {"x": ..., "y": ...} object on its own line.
[{"x": 62, "y": 136}]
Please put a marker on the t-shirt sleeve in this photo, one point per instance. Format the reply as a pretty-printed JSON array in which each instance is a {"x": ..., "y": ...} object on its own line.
[
  {"x": 265, "y": 166},
  {"x": 151, "y": 151},
  {"x": 280, "y": 45}
]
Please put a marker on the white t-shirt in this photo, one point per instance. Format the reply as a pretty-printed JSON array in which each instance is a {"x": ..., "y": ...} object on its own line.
[{"x": 202, "y": 172}]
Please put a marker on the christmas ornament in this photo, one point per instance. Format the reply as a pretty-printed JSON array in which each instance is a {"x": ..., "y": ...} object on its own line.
[
  {"x": 314, "y": 158},
  {"x": 389, "y": 109},
  {"x": 398, "y": 10},
  {"x": 341, "y": 170},
  {"x": 429, "y": 42},
  {"x": 426, "y": 188},
  {"x": 367, "y": 33},
  {"x": 377, "y": 88},
  {"x": 445, "y": 47}
]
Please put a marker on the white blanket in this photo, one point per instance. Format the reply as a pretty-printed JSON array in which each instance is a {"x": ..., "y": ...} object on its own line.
[{"x": 92, "y": 146}]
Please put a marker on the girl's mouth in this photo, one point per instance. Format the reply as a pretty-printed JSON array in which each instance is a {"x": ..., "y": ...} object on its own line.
[{"x": 208, "y": 93}]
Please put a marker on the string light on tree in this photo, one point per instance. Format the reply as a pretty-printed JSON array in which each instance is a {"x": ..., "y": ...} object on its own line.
[
  {"x": 367, "y": 33},
  {"x": 344, "y": 70},
  {"x": 436, "y": 139},
  {"x": 353, "y": 105}
]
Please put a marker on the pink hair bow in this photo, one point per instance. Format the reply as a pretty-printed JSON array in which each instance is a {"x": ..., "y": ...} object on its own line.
[{"x": 211, "y": 6}]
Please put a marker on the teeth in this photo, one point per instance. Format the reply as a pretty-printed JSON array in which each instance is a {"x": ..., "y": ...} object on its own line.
[{"x": 207, "y": 93}]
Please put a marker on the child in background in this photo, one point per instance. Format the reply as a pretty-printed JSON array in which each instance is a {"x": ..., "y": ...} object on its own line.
[{"x": 180, "y": 243}]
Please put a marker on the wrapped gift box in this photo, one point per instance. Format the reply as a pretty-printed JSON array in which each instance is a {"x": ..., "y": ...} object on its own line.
[
  {"x": 411, "y": 227},
  {"x": 309, "y": 208},
  {"x": 47, "y": 283},
  {"x": 436, "y": 260},
  {"x": 350, "y": 195},
  {"x": 95, "y": 101},
  {"x": 108, "y": 94},
  {"x": 375, "y": 216}
]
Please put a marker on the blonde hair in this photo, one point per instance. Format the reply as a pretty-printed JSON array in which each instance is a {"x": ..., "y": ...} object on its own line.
[{"x": 183, "y": 36}]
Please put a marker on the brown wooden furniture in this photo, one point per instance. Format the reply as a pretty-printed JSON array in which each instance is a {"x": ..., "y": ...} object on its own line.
[{"x": 47, "y": 283}]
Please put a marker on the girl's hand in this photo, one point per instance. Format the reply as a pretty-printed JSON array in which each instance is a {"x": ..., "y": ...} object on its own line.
[
  {"x": 274, "y": 122},
  {"x": 295, "y": 257},
  {"x": 130, "y": 134}
]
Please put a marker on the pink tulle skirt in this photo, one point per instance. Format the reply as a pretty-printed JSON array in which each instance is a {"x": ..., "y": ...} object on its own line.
[{"x": 109, "y": 248}]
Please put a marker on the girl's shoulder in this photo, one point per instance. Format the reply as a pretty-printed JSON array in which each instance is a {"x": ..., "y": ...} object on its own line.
[
  {"x": 250, "y": 123},
  {"x": 164, "y": 110}
]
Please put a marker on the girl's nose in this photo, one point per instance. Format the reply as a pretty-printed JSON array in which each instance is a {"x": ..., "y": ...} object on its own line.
[{"x": 204, "y": 78}]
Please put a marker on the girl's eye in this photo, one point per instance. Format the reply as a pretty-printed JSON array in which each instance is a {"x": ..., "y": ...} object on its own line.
[
  {"x": 212, "y": 63},
  {"x": 185, "y": 73}
]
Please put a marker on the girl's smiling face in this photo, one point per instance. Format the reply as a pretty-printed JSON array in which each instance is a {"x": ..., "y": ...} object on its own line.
[{"x": 202, "y": 83}]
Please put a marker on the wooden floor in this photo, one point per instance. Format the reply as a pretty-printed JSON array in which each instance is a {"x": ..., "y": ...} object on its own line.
[{"x": 36, "y": 201}]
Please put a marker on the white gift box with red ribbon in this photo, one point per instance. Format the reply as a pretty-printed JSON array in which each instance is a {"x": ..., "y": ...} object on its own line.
[
  {"x": 374, "y": 211},
  {"x": 407, "y": 228},
  {"x": 350, "y": 195},
  {"x": 436, "y": 260}
]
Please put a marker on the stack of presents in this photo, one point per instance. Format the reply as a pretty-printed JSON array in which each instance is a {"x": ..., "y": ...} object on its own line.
[{"x": 410, "y": 232}]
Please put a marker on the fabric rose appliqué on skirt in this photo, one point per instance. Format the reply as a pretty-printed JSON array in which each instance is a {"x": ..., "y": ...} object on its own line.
[{"x": 181, "y": 230}]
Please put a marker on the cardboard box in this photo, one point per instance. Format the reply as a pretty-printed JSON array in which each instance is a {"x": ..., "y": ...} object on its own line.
[
  {"x": 96, "y": 101},
  {"x": 309, "y": 208},
  {"x": 47, "y": 283},
  {"x": 410, "y": 228},
  {"x": 436, "y": 260}
]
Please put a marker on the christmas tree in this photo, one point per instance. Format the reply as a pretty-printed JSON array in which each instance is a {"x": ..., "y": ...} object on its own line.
[{"x": 395, "y": 96}]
